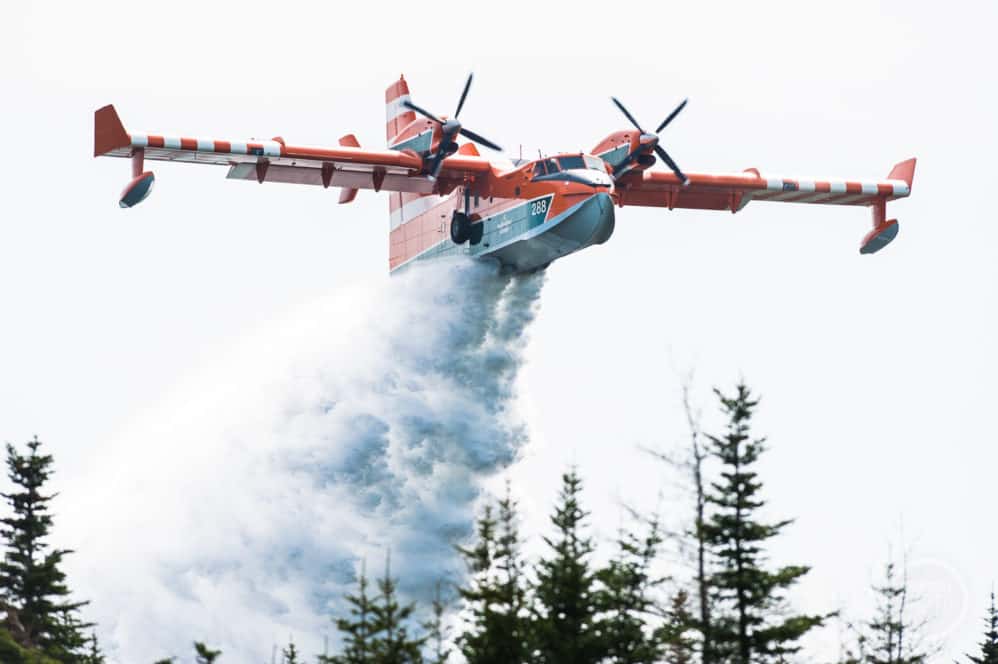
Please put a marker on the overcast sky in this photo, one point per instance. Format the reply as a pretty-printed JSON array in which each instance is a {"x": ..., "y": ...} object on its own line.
[{"x": 876, "y": 371}]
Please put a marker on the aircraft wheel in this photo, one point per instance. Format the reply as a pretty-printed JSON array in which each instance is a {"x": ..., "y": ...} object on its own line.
[
  {"x": 476, "y": 232},
  {"x": 460, "y": 228}
]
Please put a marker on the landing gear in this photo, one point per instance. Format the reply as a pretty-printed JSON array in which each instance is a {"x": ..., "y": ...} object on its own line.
[{"x": 460, "y": 228}]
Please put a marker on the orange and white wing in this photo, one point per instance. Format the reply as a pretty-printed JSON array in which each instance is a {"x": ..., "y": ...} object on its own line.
[
  {"x": 734, "y": 191},
  {"x": 347, "y": 165}
]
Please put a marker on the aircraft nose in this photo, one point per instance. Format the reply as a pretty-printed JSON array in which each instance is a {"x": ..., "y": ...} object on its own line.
[{"x": 604, "y": 228}]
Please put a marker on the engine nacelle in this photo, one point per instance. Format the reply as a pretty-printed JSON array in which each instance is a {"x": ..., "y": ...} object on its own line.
[{"x": 137, "y": 190}]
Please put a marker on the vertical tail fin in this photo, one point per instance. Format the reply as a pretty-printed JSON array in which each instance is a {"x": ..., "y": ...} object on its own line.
[
  {"x": 397, "y": 116},
  {"x": 407, "y": 208}
]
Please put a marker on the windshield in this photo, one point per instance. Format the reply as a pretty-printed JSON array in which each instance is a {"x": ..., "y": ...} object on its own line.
[
  {"x": 571, "y": 162},
  {"x": 574, "y": 162},
  {"x": 580, "y": 162}
]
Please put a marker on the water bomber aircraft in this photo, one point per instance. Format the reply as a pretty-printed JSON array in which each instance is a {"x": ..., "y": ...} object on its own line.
[{"x": 446, "y": 199}]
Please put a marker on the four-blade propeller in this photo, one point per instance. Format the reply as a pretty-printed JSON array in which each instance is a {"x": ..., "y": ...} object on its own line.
[
  {"x": 450, "y": 128},
  {"x": 647, "y": 139}
]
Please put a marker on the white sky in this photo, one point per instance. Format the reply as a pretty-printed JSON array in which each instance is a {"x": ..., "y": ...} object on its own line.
[{"x": 877, "y": 372}]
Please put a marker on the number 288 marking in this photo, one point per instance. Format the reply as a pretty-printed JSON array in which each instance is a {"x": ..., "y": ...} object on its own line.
[{"x": 539, "y": 207}]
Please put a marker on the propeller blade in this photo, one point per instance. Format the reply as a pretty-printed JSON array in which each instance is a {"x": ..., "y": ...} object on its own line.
[
  {"x": 628, "y": 114},
  {"x": 672, "y": 116},
  {"x": 422, "y": 111},
  {"x": 660, "y": 151},
  {"x": 436, "y": 164},
  {"x": 467, "y": 133},
  {"x": 464, "y": 95}
]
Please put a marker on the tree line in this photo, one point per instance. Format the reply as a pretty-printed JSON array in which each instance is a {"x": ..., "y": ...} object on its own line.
[{"x": 730, "y": 605}]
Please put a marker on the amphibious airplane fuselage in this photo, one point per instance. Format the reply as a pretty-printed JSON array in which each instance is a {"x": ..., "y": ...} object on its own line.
[{"x": 540, "y": 213}]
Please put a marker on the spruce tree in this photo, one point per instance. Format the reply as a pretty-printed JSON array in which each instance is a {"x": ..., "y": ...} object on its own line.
[
  {"x": 436, "y": 630},
  {"x": 476, "y": 640},
  {"x": 393, "y": 644},
  {"x": 750, "y": 624},
  {"x": 31, "y": 579},
  {"x": 891, "y": 637},
  {"x": 691, "y": 466},
  {"x": 626, "y": 600},
  {"x": 989, "y": 646},
  {"x": 695, "y": 466},
  {"x": 358, "y": 630},
  {"x": 497, "y": 629},
  {"x": 289, "y": 654},
  {"x": 205, "y": 655},
  {"x": 565, "y": 625},
  {"x": 674, "y": 633},
  {"x": 511, "y": 631},
  {"x": 94, "y": 654}
]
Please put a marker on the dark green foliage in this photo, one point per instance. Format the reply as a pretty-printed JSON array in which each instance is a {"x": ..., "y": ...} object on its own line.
[
  {"x": 674, "y": 633},
  {"x": 626, "y": 601},
  {"x": 436, "y": 631},
  {"x": 31, "y": 579},
  {"x": 93, "y": 655},
  {"x": 358, "y": 631},
  {"x": 566, "y": 627},
  {"x": 891, "y": 637},
  {"x": 204, "y": 654},
  {"x": 393, "y": 644},
  {"x": 989, "y": 646},
  {"x": 890, "y": 627},
  {"x": 11, "y": 652},
  {"x": 289, "y": 654},
  {"x": 749, "y": 624},
  {"x": 378, "y": 630},
  {"x": 476, "y": 641},
  {"x": 498, "y": 632}
]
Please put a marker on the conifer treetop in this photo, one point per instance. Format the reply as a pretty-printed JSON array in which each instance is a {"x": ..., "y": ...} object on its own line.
[{"x": 989, "y": 646}]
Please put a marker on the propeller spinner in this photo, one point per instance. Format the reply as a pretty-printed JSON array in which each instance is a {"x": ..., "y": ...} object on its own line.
[
  {"x": 450, "y": 129},
  {"x": 653, "y": 139}
]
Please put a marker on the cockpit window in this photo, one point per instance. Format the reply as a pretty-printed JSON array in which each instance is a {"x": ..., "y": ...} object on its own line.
[
  {"x": 539, "y": 168},
  {"x": 595, "y": 163},
  {"x": 571, "y": 162},
  {"x": 551, "y": 165}
]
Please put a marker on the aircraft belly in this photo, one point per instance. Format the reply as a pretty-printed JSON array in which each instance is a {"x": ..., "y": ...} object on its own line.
[
  {"x": 523, "y": 239},
  {"x": 591, "y": 222}
]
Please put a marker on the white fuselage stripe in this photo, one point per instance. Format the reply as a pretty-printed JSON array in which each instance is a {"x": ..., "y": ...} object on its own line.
[
  {"x": 395, "y": 108},
  {"x": 414, "y": 208}
]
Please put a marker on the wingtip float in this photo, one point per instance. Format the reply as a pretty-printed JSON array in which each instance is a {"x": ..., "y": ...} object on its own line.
[{"x": 524, "y": 214}]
